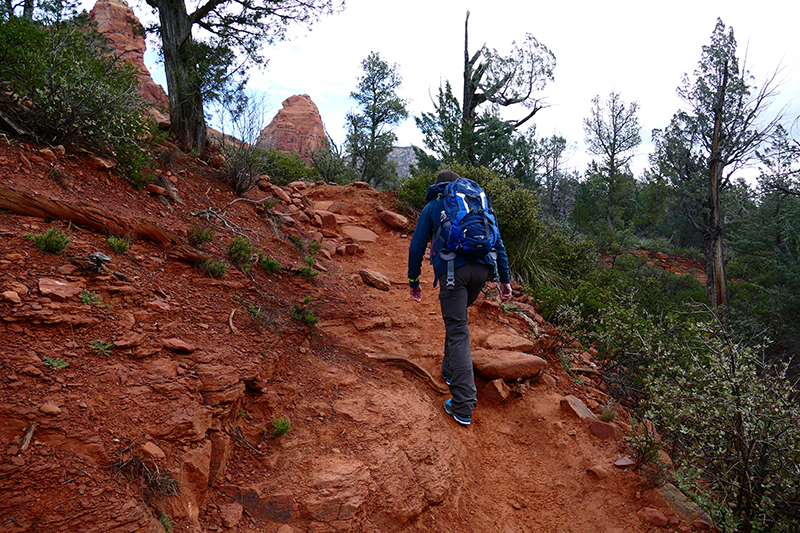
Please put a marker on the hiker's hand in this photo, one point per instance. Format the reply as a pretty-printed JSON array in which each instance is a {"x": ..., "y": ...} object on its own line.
[
  {"x": 416, "y": 293},
  {"x": 505, "y": 291}
]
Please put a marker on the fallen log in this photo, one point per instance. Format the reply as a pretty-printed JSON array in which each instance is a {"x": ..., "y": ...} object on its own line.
[{"x": 29, "y": 203}]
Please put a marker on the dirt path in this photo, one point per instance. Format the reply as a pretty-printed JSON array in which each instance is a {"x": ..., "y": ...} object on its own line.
[{"x": 201, "y": 368}]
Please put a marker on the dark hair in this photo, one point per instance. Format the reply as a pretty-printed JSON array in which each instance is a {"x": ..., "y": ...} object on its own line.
[{"x": 446, "y": 175}]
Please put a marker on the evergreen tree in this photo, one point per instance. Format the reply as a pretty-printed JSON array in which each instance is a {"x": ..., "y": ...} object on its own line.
[
  {"x": 369, "y": 135},
  {"x": 703, "y": 147}
]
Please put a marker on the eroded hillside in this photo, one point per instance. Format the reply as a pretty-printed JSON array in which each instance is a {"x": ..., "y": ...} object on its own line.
[{"x": 201, "y": 366}]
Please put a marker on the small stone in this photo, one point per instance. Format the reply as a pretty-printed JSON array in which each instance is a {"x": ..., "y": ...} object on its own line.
[
  {"x": 653, "y": 517},
  {"x": 600, "y": 470},
  {"x": 624, "y": 462},
  {"x": 11, "y": 297},
  {"x": 153, "y": 450},
  {"x": 50, "y": 409},
  {"x": 177, "y": 345},
  {"x": 375, "y": 279}
]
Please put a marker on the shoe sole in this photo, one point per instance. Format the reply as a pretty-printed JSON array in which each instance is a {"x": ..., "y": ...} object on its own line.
[{"x": 455, "y": 416}]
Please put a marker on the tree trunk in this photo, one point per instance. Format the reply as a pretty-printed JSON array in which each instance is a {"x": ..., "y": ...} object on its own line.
[
  {"x": 183, "y": 82},
  {"x": 468, "y": 109},
  {"x": 716, "y": 280}
]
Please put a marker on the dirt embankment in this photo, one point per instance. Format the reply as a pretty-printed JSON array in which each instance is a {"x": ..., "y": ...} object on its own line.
[{"x": 173, "y": 424}]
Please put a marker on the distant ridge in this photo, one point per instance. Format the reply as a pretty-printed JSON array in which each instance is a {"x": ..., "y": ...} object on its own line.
[{"x": 404, "y": 157}]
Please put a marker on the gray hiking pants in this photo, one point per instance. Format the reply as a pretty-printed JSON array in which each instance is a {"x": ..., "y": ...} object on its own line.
[{"x": 457, "y": 361}]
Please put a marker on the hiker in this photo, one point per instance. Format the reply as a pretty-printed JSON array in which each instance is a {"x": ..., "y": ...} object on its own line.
[{"x": 460, "y": 280}]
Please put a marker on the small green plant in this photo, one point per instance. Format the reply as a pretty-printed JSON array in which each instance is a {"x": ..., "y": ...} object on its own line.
[
  {"x": 240, "y": 251},
  {"x": 253, "y": 310},
  {"x": 308, "y": 272},
  {"x": 215, "y": 269},
  {"x": 119, "y": 244},
  {"x": 644, "y": 443},
  {"x": 280, "y": 427},
  {"x": 166, "y": 521},
  {"x": 609, "y": 411},
  {"x": 241, "y": 413},
  {"x": 303, "y": 313},
  {"x": 298, "y": 242},
  {"x": 199, "y": 236},
  {"x": 52, "y": 241},
  {"x": 267, "y": 263},
  {"x": 310, "y": 260},
  {"x": 56, "y": 363},
  {"x": 314, "y": 247},
  {"x": 100, "y": 347},
  {"x": 91, "y": 298}
]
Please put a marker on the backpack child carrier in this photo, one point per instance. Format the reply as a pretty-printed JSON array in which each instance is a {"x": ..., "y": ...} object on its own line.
[{"x": 468, "y": 225}]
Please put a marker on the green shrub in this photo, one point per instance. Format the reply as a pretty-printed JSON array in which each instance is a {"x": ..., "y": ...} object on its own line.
[
  {"x": 732, "y": 419},
  {"x": 91, "y": 298},
  {"x": 52, "y": 241},
  {"x": 166, "y": 521},
  {"x": 285, "y": 167},
  {"x": 240, "y": 251},
  {"x": 414, "y": 188},
  {"x": 332, "y": 168},
  {"x": 119, "y": 244},
  {"x": 267, "y": 263},
  {"x": 302, "y": 312},
  {"x": 199, "y": 236},
  {"x": 56, "y": 363},
  {"x": 215, "y": 269},
  {"x": 100, "y": 347},
  {"x": 308, "y": 272},
  {"x": 244, "y": 165},
  {"x": 280, "y": 427},
  {"x": 81, "y": 94}
]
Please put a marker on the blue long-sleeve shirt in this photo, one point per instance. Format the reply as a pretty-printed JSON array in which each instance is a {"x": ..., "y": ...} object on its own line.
[{"x": 427, "y": 226}]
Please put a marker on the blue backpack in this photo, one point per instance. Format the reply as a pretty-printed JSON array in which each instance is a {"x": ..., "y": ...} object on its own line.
[{"x": 468, "y": 226}]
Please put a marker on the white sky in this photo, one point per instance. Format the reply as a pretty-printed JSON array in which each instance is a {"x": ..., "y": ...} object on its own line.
[{"x": 639, "y": 49}]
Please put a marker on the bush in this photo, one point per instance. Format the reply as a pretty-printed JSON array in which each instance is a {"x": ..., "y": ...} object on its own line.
[
  {"x": 215, "y": 269},
  {"x": 199, "y": 236},
  {"x": 240, "y": 251},
  {"x": 244, "y": 166},
  {"x": 285, "y": 167},
  {"x": 332, "y": 167},
  {"x": 302, "y": 312},
  {"x": 119, "y": 244},
  {"x": 52, "y": 241},
  {"x": 734, "y": 420},
  {"x": 280, "y": 427},
  {"x": 267, "y": 263},
  {"x": 80, "y": 93}
]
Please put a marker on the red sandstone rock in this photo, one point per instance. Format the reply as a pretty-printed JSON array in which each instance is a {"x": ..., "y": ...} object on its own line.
[
  {"x": 297, "y": 127},
  {"x": 119, "y": 24}
]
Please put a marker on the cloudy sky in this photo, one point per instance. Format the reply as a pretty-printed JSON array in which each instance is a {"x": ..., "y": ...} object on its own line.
[{"x": 638, "y": 49}]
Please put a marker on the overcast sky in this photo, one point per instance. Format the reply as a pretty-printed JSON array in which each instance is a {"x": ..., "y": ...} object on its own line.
[{"x": 638, "y": 49}]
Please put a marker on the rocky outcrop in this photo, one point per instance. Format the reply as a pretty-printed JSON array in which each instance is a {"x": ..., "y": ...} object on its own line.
[
  {"x": 297, "y": 127},
  {"x": 119, "y": 24}
]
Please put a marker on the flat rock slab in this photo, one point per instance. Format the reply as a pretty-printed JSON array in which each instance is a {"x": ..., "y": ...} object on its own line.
[
  {"x": 499, "y": 341},
  {"x": 59, "y": 289},
  {"x": 357, "y": 233},
  {"x": 505, "y": 364}
]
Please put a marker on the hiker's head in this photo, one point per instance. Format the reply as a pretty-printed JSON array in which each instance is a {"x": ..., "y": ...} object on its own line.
[{"x": 446, "y": 175}]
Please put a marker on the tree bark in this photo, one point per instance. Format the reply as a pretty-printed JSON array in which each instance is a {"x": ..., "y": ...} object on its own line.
[
  {"x": 183, "y": 82},
  {"x": 27, "y": 203},
  {"x": 716, "y": 280}
]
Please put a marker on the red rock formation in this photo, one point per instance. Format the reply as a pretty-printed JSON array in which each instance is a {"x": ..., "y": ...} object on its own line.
[
  {"x": 124, "y": 32},
  {"x": 297, "y": 127}
]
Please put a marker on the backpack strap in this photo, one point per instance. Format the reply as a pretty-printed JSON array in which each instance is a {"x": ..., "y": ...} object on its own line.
[{"x": 450, "y": 257}]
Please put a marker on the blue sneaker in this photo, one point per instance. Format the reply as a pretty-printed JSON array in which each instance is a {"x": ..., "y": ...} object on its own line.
[
  {"x": 445, "y": 378},
  {"x": 448, "y": 408}
]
